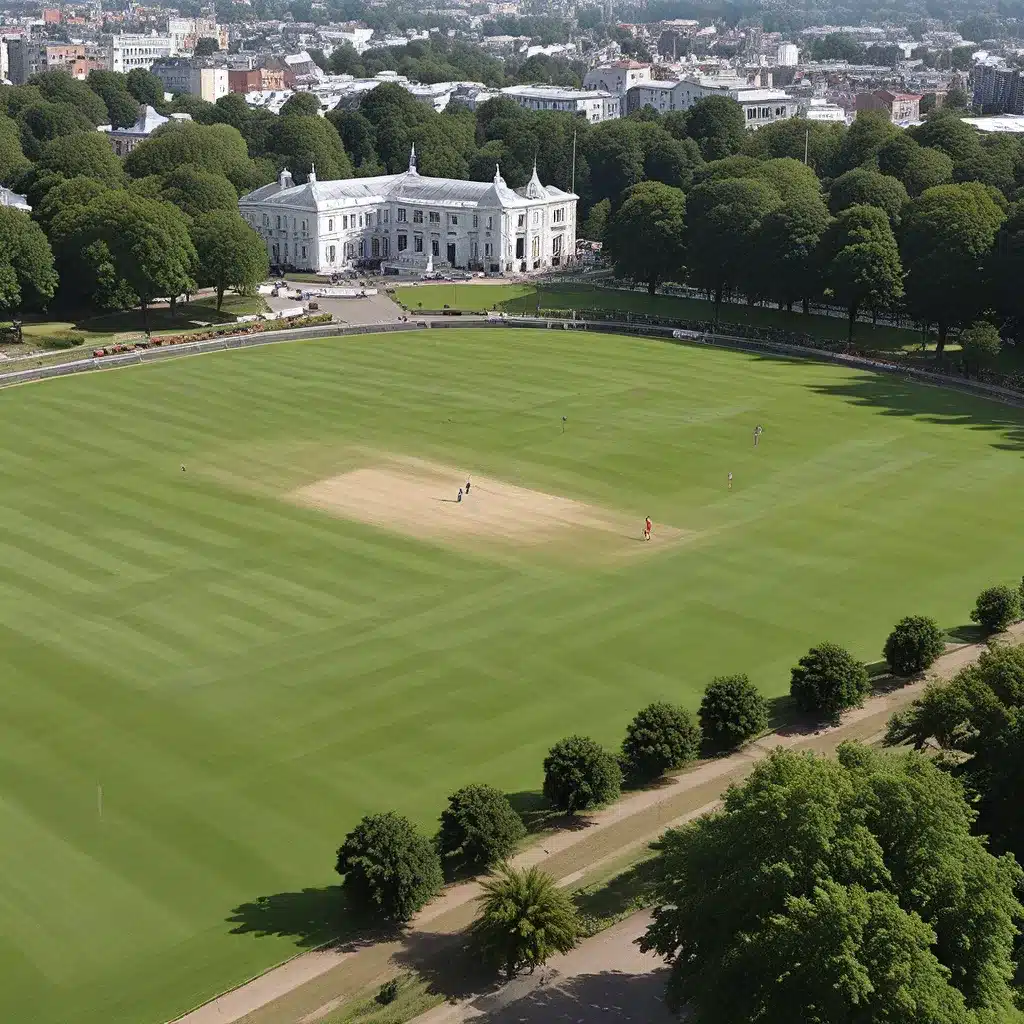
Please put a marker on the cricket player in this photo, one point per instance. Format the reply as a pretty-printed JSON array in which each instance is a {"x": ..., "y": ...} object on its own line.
[
  {"x": 758, "y": 431},
  {"x": 459, "y": 498},
  {"x": 730, "y": 481},
  {"x": 647, "y": 528},
  {"x": 467, "y": 486}
]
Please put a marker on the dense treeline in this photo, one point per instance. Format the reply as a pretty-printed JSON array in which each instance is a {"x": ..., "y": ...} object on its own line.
[{"x": 927, "y": 221}]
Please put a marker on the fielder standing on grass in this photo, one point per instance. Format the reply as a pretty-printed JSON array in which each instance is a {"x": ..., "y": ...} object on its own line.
[
  {"x": 730, "y": 481},
  {"x": 758, "y": 431}
]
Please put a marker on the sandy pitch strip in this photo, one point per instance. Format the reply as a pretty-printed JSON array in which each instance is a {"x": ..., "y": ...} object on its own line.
[{"x": 419, "y": 499}]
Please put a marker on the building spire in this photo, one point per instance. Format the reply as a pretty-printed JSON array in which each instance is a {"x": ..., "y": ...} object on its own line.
[
  {"x": 498, "y": 179},
  {"x": 312, "y": 174},
  {"x": 412, "y": 160}
]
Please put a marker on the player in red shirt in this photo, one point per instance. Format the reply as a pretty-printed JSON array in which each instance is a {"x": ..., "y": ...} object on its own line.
[{"x": 647, "y": 528}]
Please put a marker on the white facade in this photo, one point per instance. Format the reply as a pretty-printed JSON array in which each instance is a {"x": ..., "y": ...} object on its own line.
[
  {"x": 126, "y": 52},
  {"x": 412, "y": 223},
  {"x": 594, "y": 105},
  {"x": 760, "y": 106},
  {"x": 14, "y": 201},
  {"x": 124, "y": 140},
  {"x": 618, "y": 77},
  {"x": 822, "y": 110},
  {"x": 788, "y": 55}
]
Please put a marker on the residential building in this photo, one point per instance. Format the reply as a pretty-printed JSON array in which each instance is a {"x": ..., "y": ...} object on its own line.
[
  {"x": 996, "y": 88},
  {"x": 594, "y": 105},
  {"x": 821, "y": 110},
  {"x": 760, "y": 106},
  {"x": 186, "y": 32},
  {"x": 617, "y": 77},
  {"x": 788, "y": 55},
  {"x": 13, "y": 201},
  {"x": 124, "y": 52},
  {"x": 51, "y": 15},
  {"x": 245, "y": 80},
  {"x": 182, "y": 76},
  {"x": 412, "y": 223},
  {"x": 900, "y": 106},
  {"x": 24, "y": 59},
  {"x": 124, "y": 140}
]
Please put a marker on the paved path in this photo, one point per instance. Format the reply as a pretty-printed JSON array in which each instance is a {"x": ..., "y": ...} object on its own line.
[{"x": 313, "y": 984}]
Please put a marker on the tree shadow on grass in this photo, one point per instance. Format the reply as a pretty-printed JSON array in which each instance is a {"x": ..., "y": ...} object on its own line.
[
  {"x": 895, "y": 396},
  {"x": 539, "y": 816},
  {"x": 971, "y": 633},
  {"x": 312, "y": 917},
  {"x": 447, "y": 963}
]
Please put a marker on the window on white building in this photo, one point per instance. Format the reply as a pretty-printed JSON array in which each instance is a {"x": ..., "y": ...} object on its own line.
[
  {"x": 384, "y": 247},
  {"x": 330, "y": 224},
  {"x": 279, "y": 223},
  {"x": 401, "y": 215},
  {"x": 305, "y": 226},
  {"x": 350, "y": 250},
  {"x": 303, "y": 252},
  {"x": 332, "y": 254},
  {"x": 476, "y": 220},
  {"x": 535, "y": 247},
  {"x": 522, "y": 221},
  {"x": 490, "y": 223},
  {"x": 435, "y": 218},
  {"x": 558, "y": 216},
  {"x": 375, "y": 247},
  {"x": 474, "y": 252},
  {"x": 536, "y": 217},
  {"x": 556, "y": 245},
  {"x": 417, "y": 243},
  {"x": 453, "y": 219},
  {"x": 417, "y": 216},
  {"x": 344, "y": 222},
  {"x": 487, "y": 249},
  {"x": 387, "y": 216},
  {"x": 435, "y": 247},
  {"x": 403, "y": 242},
  {"x": 362, "y": 248},
  {"x": 360, "y": 220}
]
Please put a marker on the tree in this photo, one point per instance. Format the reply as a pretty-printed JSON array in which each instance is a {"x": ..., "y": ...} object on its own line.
[
  {"x": 13, "y": 162},
  {"x": 661, "y": 737},
  {"x": 594, "y": 226},
  {"x": 827, "y": 680},
  {"x": 996, "y": 608},
  {"x": 670, "y": 161},
  {"x": 145, "y": 245},
  {"x": 122, "y": 106},
  {"x": 301, "y": 104},
  {"x": 389, "y": 869},
  {"x": 946, "y": 239},
  {"x": 66, "y": 196},
  {"x": 731, "y": 711},
  {"x": 724, "y": 221},
  {"x": 863, "y": 187},
  {"x": 579, "y": 773},
  {"x": 356, "y": 133},
  {"x": 870, "y": 131},
  {"x": 918, "y": 167},
  {"x": 83, "y": 154},
  {"x": 795, "y": 136},
  {"x": 230, "y": 254},
  {"x": 525, "y": 918},
  {"x": 196, "y": 192},
  {"x": 615, "y": 157},
  {"x": 43, "y": 121},
  {"x": 212, "y": 147},
  {"x": 1008, "y": 270},
  {"x": 145, "y": 87},
  {"x": 863, "y": 261},
  {"x": 205, "y": 47},
  {"x": 646, "y": 235},
  {"x": 957, "y": 99},
  {"x": 57, "y": 86},
  {"x": 716, "y": 124},
  {"x": 825, "y": 888},
  {"x": 27, "y": 278},
  {"x": 980, "y": 345},
  {"x": 478, "y": 828},
  {"x": 302, "y": 143},
  {"x": 788, "y": 251},
  {"x": 914, "y": 643},
  {"x": 944, "y": 130}
]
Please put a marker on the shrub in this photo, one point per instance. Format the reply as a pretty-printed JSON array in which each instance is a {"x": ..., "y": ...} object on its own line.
[
  {"x": 525, "y": 918},
  {"x": 827, "y": 680},
  {"x": 388, "y": 992},
  {"x": 478, "y": 828},
  {"x": 914, "y": 643},
  {"x": 63, "y": 339},
  {"x": 579, "y": 773},
  {"x": 660, "y": 737},
  {"x": 389, "y": 868},
  {"x": 996, "y": 608},
  {"x": 732, "y": 710}
]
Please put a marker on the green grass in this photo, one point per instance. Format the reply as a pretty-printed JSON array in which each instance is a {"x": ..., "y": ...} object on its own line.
[
  {"x": 414, "y": 997},
  {"x": 245, "y": 677},
  {"x": 524, "y": 299},
  {"x": 613, "y": 897}
]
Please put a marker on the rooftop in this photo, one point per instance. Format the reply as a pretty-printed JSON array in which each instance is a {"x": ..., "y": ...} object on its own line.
[
  {"x": 999, "y": 123},
  {"x": 555, "y": 92}
]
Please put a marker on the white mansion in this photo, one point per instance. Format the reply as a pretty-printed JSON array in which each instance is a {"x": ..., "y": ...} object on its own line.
[{"x": 412, "y": 223}]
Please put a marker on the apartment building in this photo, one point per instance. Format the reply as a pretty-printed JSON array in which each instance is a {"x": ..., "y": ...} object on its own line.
[{"x": 594, "y": 105}]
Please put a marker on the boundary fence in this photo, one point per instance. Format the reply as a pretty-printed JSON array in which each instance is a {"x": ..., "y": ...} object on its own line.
[{"x": 646, "y": 328}]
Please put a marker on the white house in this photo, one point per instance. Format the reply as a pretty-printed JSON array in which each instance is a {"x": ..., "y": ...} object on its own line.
[
  {"x": 125, "y": 52},
  {"x": 760, "y": 106},
  {"x": 413, "y": 223},
  {"x": 788, "y": 55},
  {"x": 594, "y": 105},
  {"x": 618, "y": 77}
]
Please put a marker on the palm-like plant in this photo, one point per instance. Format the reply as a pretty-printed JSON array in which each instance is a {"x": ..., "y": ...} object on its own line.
[{"x": 525, "y": 918}]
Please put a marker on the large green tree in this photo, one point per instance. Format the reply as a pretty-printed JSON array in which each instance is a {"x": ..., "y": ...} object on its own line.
[
  {"x": 861, "y": 144},
  {"x": 862, "y": 262},
  {"x": 917, "y": 167},
  {"x": 1008, "y": 270},
  {"x": 864, "y": 187},
  {"x": 479, "y": 827},
  {"x": 197, "y": 192},
  {"x": 66, "y": 197},
  {"x": 646, "y": 237},
  {"x": 57, "y": 86},
  {"x": 795, "y": 137},
  {"x": 944, "y": 130},
  {"x": 83, "y": 154},
  {"x": 146, "y": 242},
  {"x": 40, "y": 122},
  {"x": 787, "y": 251},
  {"x": 27, "y": 276},
  {"x": 724, "y": 220},
  {"x": 302, "y": 143},
  {"x": 112, "y": 88},
  {"x": 229, "y": 253},
  {"x": 145, "y": 87},
  {"x": 212, "y": 147},
  {"x": 716, "y": 124},
  {"x": 946, "y": 243},
  {"x": 13, "y": 162},
  {"x": 838, "y": 890}
]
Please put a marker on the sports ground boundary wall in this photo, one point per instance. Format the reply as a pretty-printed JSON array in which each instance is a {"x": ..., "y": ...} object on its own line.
[{"x": 650, "y": 330}]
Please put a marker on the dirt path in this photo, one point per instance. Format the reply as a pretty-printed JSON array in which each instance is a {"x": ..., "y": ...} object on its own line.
[{"x": 313, "y": 984}]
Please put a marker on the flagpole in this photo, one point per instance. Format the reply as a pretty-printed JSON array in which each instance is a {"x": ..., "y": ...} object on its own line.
[{"x": 572, "y": 187}]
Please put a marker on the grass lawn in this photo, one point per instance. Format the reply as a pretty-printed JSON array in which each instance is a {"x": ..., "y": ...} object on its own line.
[
  {"x": 245, "y": 675},
  {"x": 523, "y": 298}
]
